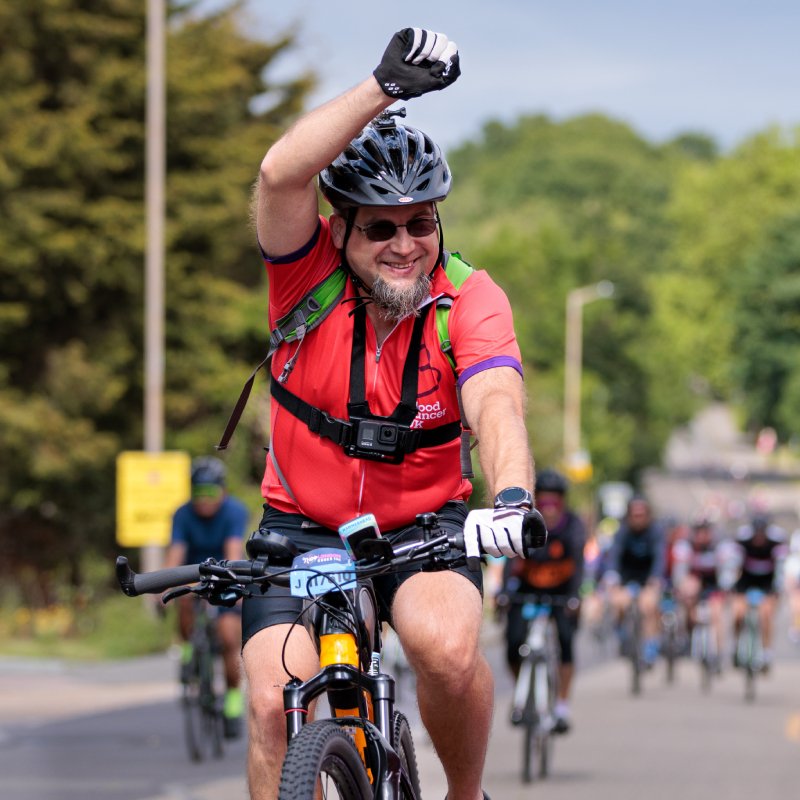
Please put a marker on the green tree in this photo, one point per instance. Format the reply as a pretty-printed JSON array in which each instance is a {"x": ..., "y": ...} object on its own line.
[
  {"x": 72, "y": 235},
  {"x": 767, "y": 329},
  {"x": 547, "y": 207}
]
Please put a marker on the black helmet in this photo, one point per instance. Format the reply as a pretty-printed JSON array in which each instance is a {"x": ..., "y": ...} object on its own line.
[
  {"x": 548, "y": 480},
  {"x": 386, "y": 165},
  {"x": 208, "y": 470}
]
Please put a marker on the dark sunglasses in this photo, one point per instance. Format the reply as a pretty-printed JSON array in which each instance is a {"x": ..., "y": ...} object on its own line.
[{"x": 384, "y": 229}]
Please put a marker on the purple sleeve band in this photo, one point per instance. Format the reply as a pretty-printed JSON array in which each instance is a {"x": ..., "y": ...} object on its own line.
[
  {"x": 298, "y": 254},
  {"x": 490, "y": 363}
]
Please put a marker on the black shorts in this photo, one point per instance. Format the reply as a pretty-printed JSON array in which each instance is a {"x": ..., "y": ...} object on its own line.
[
  {"x": 764, "y": 583},
  {"x": 276, "y": 606}
]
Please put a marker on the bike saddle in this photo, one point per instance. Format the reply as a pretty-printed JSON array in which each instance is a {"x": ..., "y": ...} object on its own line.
[{"x": 278, "y": 549}]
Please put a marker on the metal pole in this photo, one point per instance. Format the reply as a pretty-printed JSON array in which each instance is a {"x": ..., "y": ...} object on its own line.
[
  {"x": 573, "y": 354},
  {"x": 573, "y": 361},
  {"x": 155, "y": 168}
]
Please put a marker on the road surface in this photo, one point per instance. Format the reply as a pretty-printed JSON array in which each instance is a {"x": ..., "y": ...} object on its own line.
[{"x": 113, "y": 732}]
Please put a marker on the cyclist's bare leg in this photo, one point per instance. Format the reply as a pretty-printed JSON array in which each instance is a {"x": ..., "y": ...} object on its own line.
[
  {"x": 767, "y": 615},
  {"x": 266, "y": 720},
  {"x": 648, "y": 602},
  {"x": 186, "y": 617},
  {"x": 620, "y": 599},
  {"x": 229, "y": 630},
  {"x": 738, "y": 610},
  {"x": 565, "y": 673},
  {"x": 437, "y": 616}
]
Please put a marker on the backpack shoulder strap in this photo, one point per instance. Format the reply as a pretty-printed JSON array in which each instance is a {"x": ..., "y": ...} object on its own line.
[
  {"x": 292, "y": 327},
  {"x": 310, "y": 311},
  {"x": 457, "y": 271}
]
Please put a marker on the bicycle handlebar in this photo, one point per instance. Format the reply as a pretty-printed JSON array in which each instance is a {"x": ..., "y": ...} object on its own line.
[{"x": 227, "y": 573}]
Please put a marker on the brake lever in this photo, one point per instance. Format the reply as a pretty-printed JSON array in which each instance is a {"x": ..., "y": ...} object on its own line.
[{"x": 173, "y": 593}]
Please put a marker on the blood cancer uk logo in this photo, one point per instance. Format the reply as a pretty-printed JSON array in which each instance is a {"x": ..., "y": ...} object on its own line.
[{"x": 429, "y": 382}]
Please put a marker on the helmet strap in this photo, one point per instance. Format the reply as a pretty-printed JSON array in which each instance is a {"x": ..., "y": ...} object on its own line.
[{"x": 349, "y": 223}]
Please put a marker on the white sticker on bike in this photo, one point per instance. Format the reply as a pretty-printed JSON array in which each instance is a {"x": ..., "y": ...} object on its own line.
[{"x": 320, "y": 571}]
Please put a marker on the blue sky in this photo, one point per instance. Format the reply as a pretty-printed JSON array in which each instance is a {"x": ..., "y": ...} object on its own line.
[{"x": 727, "y": 69}]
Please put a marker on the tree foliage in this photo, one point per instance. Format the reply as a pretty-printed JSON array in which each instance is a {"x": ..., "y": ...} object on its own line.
[{"x": 72, "y": 235}]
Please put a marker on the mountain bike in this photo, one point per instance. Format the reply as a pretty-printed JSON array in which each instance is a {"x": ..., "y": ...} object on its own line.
[
  {"x": 703, "y": 646},
  {"x": 536, "y": 687},
  {"x": 749, "y": 648},
  {"x": 364, "y": 751},
  {"x": 201, "y": 701}
]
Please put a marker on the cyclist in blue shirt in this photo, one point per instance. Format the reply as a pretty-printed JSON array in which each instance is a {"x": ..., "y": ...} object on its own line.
[
  {"x": 212, "y": 525},
  {"x": 638, "y": 557}
]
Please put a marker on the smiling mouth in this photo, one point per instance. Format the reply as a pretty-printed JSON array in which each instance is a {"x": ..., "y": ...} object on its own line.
[{"x": 396, "y": 267}]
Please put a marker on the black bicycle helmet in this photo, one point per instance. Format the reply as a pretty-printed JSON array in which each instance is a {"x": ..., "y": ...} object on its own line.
[
  {"x": 548, "y": 480},
  {"x": 208, "y": 470},
  {"x": 387, "y": 165}
]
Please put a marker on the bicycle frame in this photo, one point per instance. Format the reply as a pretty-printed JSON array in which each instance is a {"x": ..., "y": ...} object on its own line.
[
  {"x": 361, "y": 697},
  {"x": 704, "y": 642},
  {"x": 534, "y": 659},
  {"x": 749, "y": 646}
]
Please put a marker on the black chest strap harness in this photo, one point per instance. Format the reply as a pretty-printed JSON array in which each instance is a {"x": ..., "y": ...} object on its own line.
[{"x": 366, "y": 435}]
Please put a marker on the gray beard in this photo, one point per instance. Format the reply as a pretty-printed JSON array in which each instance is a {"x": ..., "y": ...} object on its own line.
[{"x": 395, "y": 302}]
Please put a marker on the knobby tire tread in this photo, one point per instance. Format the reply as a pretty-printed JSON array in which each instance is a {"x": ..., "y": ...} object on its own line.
[
  {"x": 404, "y": 747},
  {"x": 323, "y": 747}
]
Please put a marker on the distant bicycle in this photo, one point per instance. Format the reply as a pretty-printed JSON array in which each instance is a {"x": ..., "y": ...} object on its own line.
[
  {"x": 632, "y": 638},
  {"x": 536, "y": 686},
  {"x": 749, "y": 649},
  {"x": 703, "y": 647},
  {"x": 200, "y": 699},
  {"x": 673, "y": 633}
]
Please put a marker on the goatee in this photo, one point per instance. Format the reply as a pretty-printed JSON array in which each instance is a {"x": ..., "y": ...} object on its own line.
[{"x": 397, "y": 302}]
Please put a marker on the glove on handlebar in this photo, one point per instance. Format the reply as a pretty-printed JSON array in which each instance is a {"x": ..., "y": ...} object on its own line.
[
  {"x": 417, "y": 61},
  {"x": 496, "y": 531}
]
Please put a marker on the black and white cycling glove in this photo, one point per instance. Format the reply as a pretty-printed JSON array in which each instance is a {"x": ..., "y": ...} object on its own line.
[
  {"x": 417, "y": 61},
  {"x": 498, "y": 531}
]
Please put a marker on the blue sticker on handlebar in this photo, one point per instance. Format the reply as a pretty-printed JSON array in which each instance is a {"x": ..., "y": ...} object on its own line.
[{"x": 320, "y": 571}]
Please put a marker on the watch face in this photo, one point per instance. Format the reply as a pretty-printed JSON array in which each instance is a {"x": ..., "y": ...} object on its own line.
[{"x": 512, "y": 496}]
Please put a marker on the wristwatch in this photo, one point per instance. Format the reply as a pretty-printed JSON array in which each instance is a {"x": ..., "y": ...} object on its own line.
[{"x": 514, "y": 497}]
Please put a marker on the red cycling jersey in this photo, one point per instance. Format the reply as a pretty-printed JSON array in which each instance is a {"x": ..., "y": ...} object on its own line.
[{"x": 325, "y": 484}]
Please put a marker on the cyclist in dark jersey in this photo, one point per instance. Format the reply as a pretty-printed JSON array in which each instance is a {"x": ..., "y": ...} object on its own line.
[
  {"x": 212, "y": 525},
  {"x": 555, "y": 570},
  {"x": 696, "y": 562},
  {"x": 637, "y": 556},
  {"x": 763, "y": 547}
]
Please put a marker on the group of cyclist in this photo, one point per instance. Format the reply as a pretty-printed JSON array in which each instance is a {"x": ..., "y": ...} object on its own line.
[{"x": 644, "y": 561}]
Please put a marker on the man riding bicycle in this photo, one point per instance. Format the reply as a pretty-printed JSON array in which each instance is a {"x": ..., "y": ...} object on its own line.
[
  {"x": 555, "y": 570},
  {"x": 762, "y": 549},
  {"x": 637, "y": 557},
  {"x": 696, "y": 562},
  {"x": 212, "y": 525},
  {"x": 365, "y": 414}
]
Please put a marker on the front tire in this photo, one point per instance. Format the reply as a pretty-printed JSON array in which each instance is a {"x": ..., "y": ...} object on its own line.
[
  {"x": 323, "y": 755},
  {"x": 404, "y": 747}
]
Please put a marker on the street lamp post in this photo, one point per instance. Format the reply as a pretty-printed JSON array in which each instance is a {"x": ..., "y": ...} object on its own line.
[
  {"x": 155, "y": 168},
  {"x": 573, "y": 358}
]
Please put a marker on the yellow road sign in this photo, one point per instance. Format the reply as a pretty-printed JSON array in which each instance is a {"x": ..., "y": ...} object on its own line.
[{"x": 150, "y": 486}]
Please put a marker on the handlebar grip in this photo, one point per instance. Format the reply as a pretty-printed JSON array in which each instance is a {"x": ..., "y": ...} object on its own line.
[
  {"x": 154, "y": 582},
  {"x": 534, "y": 532}
]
